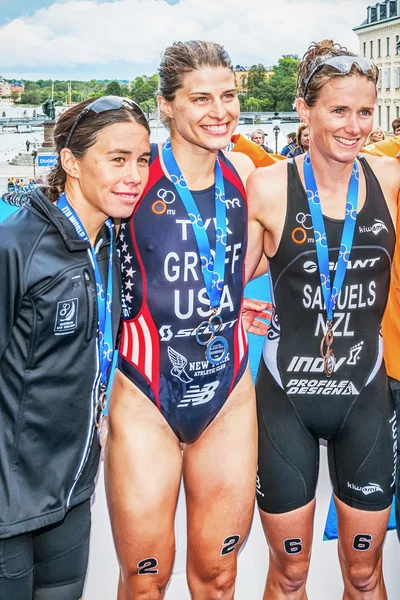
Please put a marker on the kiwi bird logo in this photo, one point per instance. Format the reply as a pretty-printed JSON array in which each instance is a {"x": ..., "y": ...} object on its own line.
[{"x": 179, "y": 363}]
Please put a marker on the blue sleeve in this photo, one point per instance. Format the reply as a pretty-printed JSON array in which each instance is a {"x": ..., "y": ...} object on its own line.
[{"x": 285, "y": 151}]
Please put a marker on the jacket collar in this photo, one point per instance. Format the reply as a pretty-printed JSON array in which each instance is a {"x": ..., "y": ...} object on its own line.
[{"x": 39, "y": 202}]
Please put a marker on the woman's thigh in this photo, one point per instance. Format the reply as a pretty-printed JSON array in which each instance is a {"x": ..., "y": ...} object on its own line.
[{"x": 220, "y": 478}]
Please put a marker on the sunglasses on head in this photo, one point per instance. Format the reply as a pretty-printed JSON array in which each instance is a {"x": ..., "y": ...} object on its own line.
[
  {"x": 101, "y": 105},
  {"x": 343, "y": 65}
]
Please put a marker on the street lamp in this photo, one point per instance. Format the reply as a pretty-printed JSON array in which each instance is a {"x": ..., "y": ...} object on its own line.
[
  {"x": 276, "y": 121},
  {"x": 34, "y": 157},
  {"x": 276, "y": 131}
]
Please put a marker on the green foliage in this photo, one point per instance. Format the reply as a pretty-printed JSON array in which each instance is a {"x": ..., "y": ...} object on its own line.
[
  {"x": 144, "y": 89},
  {"x": 113, "y": 89},
  {"x": 274, "y": 93},
  {"x": 281, "y": 87},
  {"x": 31, "y": 96},
  {"x": 263, "y": 94}
]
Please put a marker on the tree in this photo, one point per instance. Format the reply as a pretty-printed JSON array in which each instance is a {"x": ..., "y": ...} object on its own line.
[
  {"x": 144, "y": 88},
  {"x": 113, "y": 89},
  {"x": 252, "y": 105},
  {"x": 256, "y": 79},
  {"x": 32, "y": 96},
  {"x": 15, "y": 96},
  {"x": 281, "y": 87}
]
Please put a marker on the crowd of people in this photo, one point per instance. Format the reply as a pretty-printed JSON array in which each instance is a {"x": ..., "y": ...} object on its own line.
[
  {"x": 16, "y": 184},
  {"x": 144, "y": 250}
]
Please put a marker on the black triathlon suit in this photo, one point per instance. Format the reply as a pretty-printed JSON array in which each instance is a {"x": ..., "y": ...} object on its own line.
[{"x": 297, "y": 404}]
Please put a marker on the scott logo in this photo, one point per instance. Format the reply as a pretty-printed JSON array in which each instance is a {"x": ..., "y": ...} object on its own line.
[
  {"x": 165, "y": 333},
  {"x": 196, "y": 396}
]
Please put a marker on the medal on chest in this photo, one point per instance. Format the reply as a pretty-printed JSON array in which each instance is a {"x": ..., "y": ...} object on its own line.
[
  {"x": 331, "y": 292},
  {"x": 212, "y": 262}
]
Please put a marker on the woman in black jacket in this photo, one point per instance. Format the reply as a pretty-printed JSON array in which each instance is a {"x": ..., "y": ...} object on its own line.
[{"x": 59, "y": 317}]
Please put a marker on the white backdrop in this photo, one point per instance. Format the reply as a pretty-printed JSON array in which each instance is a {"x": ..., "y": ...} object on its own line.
[{"x": 324, "y": 580}]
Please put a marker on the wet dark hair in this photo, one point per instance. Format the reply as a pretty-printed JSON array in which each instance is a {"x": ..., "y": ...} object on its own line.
[
  {"x": 84, "y": 137},
  {"x": 183, "y": 58},
  {"x": 317, "y": 53}
]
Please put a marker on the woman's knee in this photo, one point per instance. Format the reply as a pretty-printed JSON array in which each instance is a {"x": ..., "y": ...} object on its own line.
[
  {"x": 292, "y": 575},
  {"x": 217, "y": 584},
  {"x": 365, "y": 577},
  {"x": 139, "y": 587}
]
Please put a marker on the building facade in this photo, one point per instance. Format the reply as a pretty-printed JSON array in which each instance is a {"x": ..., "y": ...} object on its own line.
[
  {"x": 379, "y": 37},
  {"x": 7, "y": 88}
]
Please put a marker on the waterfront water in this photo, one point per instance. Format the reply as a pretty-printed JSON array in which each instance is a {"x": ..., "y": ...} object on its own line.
[{"x": 13, "y": 143}]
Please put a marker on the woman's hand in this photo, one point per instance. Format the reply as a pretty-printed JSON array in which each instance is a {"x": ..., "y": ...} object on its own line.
[{"x": 252, "y": 313}]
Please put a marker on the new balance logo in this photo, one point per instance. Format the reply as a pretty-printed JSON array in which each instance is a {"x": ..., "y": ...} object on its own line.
[{"x": 196, "y": 395}]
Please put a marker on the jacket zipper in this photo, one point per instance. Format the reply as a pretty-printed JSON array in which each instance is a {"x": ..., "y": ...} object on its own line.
[{"x": 93, "y": 396}]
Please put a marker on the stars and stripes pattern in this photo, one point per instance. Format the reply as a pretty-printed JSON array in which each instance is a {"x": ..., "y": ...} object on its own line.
[{"x": 139, "y": 344}]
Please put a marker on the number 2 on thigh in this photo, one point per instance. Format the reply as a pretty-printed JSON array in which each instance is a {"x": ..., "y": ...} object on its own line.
[
  {"x": 230, "y": 544},
  {"x": 148, "y": 566}
]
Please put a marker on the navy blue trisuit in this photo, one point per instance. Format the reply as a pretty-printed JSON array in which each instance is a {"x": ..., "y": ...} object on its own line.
[
  {"x": 297, "y": 403},
  {"x": 165, "y": 300}
]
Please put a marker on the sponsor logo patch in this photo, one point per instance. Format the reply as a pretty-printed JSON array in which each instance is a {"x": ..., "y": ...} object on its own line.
[
  {"x": 376, "y": 228},
  {"x": 66, "y": 316},
  {"x": 371, "y": 488},
  {"x": 196, "y": 395},
  {"x": 323, "y": 387}
]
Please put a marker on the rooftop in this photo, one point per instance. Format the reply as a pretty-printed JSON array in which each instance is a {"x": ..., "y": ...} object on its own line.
[{"x": 381, "y": 12}]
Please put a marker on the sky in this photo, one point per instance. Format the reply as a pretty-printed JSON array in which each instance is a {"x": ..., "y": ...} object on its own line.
[{"x": 121, "y": 39}]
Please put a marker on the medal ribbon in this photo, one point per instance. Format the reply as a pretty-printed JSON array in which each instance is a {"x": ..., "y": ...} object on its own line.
[
  {"x": 331, "y": 295},
  {"x": 104, "y": 303},
  {"x": 213, "y": 269}
]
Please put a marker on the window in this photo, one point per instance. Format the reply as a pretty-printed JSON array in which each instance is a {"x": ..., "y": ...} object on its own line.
[
  {"x": 388, "y": 46},
  {"x": 397, "y": 112},
  {"x": 380, "y": 116},
  {"x": 388, "y": 118},
  {"x": 396, "y": 77},
  {"x": 386, "y": 78},
  {"x": 364, "y": 49},
  {"x": 379, "y": 48},
  {"x": 397, "y": 50},
  {"x": 379, "y": 82},
  {"x": 371, "y": 49}
]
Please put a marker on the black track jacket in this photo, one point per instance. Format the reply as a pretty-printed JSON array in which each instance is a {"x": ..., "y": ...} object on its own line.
[{"x": 49, "y": 372}]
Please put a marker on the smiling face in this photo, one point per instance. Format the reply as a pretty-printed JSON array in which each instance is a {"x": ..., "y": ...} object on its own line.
[
  {"x": 113, "y": 172},
  {"x": 205, "y": 110},
  {"x": 341, "y": 118}
]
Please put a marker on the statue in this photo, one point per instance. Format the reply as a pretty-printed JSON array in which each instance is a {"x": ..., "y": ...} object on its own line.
[{"x": 49, "y": 109}]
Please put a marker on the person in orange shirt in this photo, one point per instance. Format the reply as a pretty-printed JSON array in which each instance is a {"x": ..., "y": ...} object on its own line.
[{"x": 391, "y": 320}]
